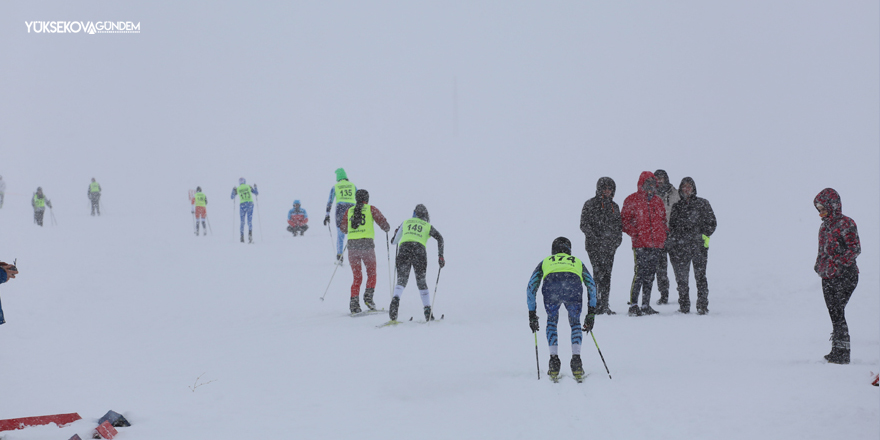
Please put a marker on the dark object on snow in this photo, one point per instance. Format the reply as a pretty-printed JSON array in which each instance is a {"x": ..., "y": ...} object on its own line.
[
  {"x": 75, "y": 437},
  {"x": 115, "y": 419}
]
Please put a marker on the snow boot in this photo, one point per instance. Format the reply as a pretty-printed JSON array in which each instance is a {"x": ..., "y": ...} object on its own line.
[
  {"x": 555, "y": 364},
  {"x": 702, "y": 310},
  {"x": 647, "y": 310},
  {"x": 355, "y": 305},
  {"x": 428, "y": 315},
  {"x": 839, "y": 351},
  {"x": 577, "y": 368},
  {"x": 664, "y": 299},
  {"x": 684, "y": 310},
  {"x": 250, "y": 237},
  {"x": 392, "y": 311},
  {"x": 634, "y": 310},
  {"x": 368, "y": 299},
  {"x": 242, "y": 237}
]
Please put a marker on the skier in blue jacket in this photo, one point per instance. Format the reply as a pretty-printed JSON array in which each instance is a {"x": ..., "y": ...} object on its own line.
[
  {"x": 562, "y": 275},
  {"x": 7, "y": 272},
  {"x": 343, "y": 191}
]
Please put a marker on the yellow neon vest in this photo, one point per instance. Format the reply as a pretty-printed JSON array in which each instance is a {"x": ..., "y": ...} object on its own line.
[
  {"x": 365, "y": 230},
  {"x": 201, "y": 199},
  {"x": 344, "y": 192},
  {"x": 39, "y": 202},
  {"x": 244, "y": 193},
  {"x": 562, "y": 262},
  {"x": 94, "y": 187},
  {"x": 417, "y": 230}
]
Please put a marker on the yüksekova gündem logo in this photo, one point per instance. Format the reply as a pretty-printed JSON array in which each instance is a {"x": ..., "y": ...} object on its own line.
[{"x": 86, "y": 27}]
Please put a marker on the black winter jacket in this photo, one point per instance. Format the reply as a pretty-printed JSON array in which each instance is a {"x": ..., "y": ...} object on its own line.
[
  {"x": 600, "y": 220},
  {"x": 692, "y": 217}
]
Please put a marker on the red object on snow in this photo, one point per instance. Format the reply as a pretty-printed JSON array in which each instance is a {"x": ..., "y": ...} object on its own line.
[
  {"x": 24, "y": 422},
  {"x": 876, "y": 381},
  {"x": 107, "y": 430}
]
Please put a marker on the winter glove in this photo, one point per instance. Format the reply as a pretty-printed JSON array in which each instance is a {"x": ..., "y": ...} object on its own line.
[
  {"x": 442, "y": 262},
  {"x": 533, "y": 321},
  {"x": 588, "y": 322},
  {"x": 706, "y": 241},
  {"x": 326, "y": 219}
]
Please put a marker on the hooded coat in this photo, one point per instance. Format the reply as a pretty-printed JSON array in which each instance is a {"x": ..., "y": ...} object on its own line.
[
  {"x": 691, "y": 218},
  {"x": 643, "y": 217},
  {"x": 600, "y": 220},
  {"x": 667, "y": 193},
  {"x": 839, "y": 244}
]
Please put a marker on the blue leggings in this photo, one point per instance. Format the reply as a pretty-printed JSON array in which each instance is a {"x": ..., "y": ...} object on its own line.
[
  {"x": 561, "y": 289},
  {"x": 246, "y": 208}
]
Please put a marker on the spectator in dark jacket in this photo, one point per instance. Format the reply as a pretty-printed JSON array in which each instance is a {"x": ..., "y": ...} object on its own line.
[
  {"x": 643, "y": 218},
  {"x": 600, "y": 223},
  {"x": 839, "y": 247},
  {"x": 7, "y": 272},
  {"x": 691, "y": 224},
  {"x": 669, "y": 195}
]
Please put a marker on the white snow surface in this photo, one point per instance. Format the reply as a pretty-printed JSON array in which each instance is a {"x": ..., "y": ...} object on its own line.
[{"x": 500, "y": 117}]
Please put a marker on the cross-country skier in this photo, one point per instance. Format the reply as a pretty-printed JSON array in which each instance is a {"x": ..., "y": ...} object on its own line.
[
  {"x": 562, "y": 275},
  {"x": 40, "y": 202},
  {"x": 600, "y": 223},
  {"x": 200, "y": 206},
  {"x": 246, "y": 206},
  {"x": 95, "y": 196},
  {"x": 2, "y": 190},
  {"x": 7, "y": 272},
  {"x": 297, "y": 219},
  {"x": 412, "y": 235},
  {"x": 357, "y": 222},
  {"x": 839, "y": 246},
  {"x": 691, "y": 224},
  {"x": 643, "y": 218},
  {"x": 343, "y": 191}
]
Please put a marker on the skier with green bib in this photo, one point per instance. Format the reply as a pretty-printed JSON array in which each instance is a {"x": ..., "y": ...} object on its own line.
[
  {"x": 343, "y": 191},
  {"x": 412, "y": 236},
  {"x": 245, "y": 195}
]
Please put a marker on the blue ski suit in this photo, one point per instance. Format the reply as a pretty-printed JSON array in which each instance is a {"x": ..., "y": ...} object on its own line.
[
  {"x": 562, "y": 288},
  {"x": 341, "y": 209},
  {"x": 245, "y": 209}
]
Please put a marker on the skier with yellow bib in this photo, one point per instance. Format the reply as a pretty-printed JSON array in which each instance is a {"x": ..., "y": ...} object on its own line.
[
  {"x": 412, "y": 235},
  {"x": 343, "y": 191},
  {"x": 245, "y": 194}
]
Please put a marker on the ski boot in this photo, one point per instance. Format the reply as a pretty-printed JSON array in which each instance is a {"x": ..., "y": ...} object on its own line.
[
  {"x": 634, "y": 310},
  {"x": 577, "y": 368},
  {"x": 392, "y": 310},
  {"x": 555, "y": 364},
  {"x": 355, "y": 305},
  {"x": 647, "y": 310},
  {"x": 242, "y": 237},
  {"x": 250, "y": 237},
  {"x": 428, "y": 315},
  {"x": 339, "y": 259},
  {"x": 368, "y": 299}
]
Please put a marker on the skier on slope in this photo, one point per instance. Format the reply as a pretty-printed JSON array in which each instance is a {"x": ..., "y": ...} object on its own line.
[
  {"x": 669, "y": 195},
  {"x": 691, "y": 224},
  {"x": 839, "y": 246},
  {"x": 413, "y": 235},
  {"x": 600, "y": 223},
  {"x": 7, "y": 272},
  {"x": 94, "y": 194},
  {"x": 643, "y": 218},
  {"x": 343, "y": 191},
  {"x": 562, "y": 275},
  {"x": 200, "y": 209},
  {"x": 357, "y": 222},
  {"x": 40, "y": 202},
  {"x": 246, "y": 206},
  {"x": 297, "y": 219}
]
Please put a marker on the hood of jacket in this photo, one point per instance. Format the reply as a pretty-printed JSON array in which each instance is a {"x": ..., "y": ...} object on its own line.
[
  {"x": 683, "y": 182},
  {"x": 603, "y": 183},
  {"x": 830, "y": 199},
  {"x": 642, "y": 178}
]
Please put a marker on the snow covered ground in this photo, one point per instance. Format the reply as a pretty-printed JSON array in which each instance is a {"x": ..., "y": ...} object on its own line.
[{"x": 500, "y": 118}]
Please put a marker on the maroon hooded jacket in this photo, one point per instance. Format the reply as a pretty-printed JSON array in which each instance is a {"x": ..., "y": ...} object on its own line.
[
  {"x": 838, "y": 237},
  {"x": 644, "y": 220}
]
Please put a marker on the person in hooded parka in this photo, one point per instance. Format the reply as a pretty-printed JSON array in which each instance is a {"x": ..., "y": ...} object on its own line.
[
  {"x": 603, "y": 233},
  {"x": 691, "y": 224}
]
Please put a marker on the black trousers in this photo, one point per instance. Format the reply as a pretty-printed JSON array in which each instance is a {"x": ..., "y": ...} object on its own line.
[
  {"x": 412, "y": 255},
  {"x": 38, "y": 216},
  {"x": 681, "y": 261},
  {"x": 602, "y": 263},
  {"x": 645, "y": 266},
  {"x": 837, "y": 292},
  {"x": 663, "y": 275},
  {"x": 96, "y": 200}
]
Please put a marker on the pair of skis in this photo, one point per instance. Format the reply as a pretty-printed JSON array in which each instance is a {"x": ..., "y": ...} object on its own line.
[{"x": 394, "y": 322}]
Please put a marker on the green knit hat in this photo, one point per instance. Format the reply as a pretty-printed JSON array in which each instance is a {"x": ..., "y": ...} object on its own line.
[{"x": 340, "y": 174}]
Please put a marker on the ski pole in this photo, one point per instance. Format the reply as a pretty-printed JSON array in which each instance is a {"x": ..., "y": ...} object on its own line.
[
  {"x": 435, "y": 293},
  {"x": 54, "y": 223},
  {"x": 388, "y": 249},
  {"x": 600, "y": 354},
  {"x": 209, "y": 224},
  {"x": 233, "y": 219},
  {"x": 334, "y": 274},
  {"x": 194, "y": 221},
  {"x": 259, "y": 218},
  {"x": 537, "y": 361},
  {"x": 331, "y": 236}
]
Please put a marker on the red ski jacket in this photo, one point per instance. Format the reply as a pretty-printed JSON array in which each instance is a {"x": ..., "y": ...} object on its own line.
[{"x": 644, "y": 218}]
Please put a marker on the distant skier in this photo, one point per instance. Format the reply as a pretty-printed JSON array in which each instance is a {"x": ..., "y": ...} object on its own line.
[
  {"x": 643, "y": 218},
  {"x": 343, "y": 191},
  {"x": 2, "y": 190},
  {"x": 413, "y": 236},
  {"x": 40, "y": 202},
  {"x": 600, "y": 223},
  {"x": 7, "y": 272},
  {"x": 839, "y": 246},
  {"x": 357, "y": 222},
  {"x": 297, "y": 219},
  {"x": 690, "y": 226},
  {"x": 562, "y": 275},
  {"x": 669, "y": 195},
  {"x": 200, "y": 206},
  {"x": 95, "y": 196},
  {"x": 246, "y": 206}
]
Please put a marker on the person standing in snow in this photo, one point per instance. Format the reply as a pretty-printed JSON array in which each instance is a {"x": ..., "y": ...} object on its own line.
[
  {"x": 412, "y": 235},
  {"x": 562, "y": 275},
  {"x": 669, "y": 195},
  {"x": 200, "y": 206},
  {"x": 600, "y": 223},
  {"x": 245, "y": 195},
  {"x": 643, "y": 218},
  {"x": 2, "y": 190},
  {"x": 357, "y": 222},
  {"x": 343, "y": 191},
  {"x": 94, "y": 194},
  {"x": 40, "y": 202},
  {"x": 691, "y": 224},
  {"x": 7, "y": 272},
  {"x": 839, "y": 247},
  {"x": 297, "y": 219}
]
